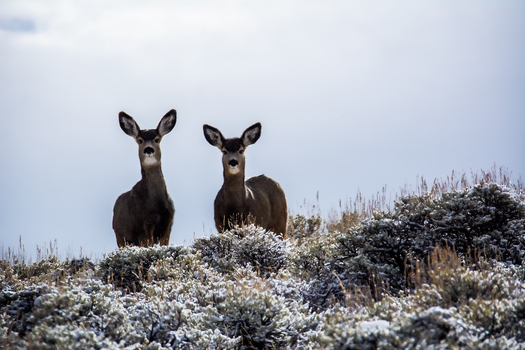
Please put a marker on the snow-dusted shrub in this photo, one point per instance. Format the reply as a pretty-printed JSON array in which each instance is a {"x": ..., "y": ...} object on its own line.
[
  {"x": 265, "y": 251},
  {"x": 251, "y": 246},
  {"x": 216, "y": 250},
  {"x": 18, "y": 307},
  {"x": 286, "y": 285},
  {"x": 76, "y": 265},
  {"x": 332, "y": 275},
  {"x": 155, "y": 320},
  {"x": 206, "y": 340},
  {"x": 66, "y": 317},
  {"x": 301, "y": 227},
  {"x": 308, "y": 259},
  {"x": 128, "y": 267},
  {"x": 22, "y": 283},
  {"x": 440, "y": 328},
  {"x": 380, "y": 285},
  {"x": 216, "y": 313},
  {"x": 341, "y": 328},
  {"x": 181, "y": 268},
  {"x": 434, "y": 328},
  {"x": 250, "y": 312},
  {"x": 309, "y": 263},
  {"x": 93, "y": 315},
  {"x": 45, "y": 269},
  {"x": 491, "y": 298},
  {"x": 475, "y": 310},
  {"x": 487, "y": 220},
  {"x": 355, "y": 280},
  {"x": 461, "y": 285},
  {"x": 461, "y": 306}
]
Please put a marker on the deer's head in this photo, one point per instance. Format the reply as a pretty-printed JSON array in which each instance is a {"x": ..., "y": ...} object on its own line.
[
  {"x": 148, "y": 139},
  {"x": 233, "y": 160}
]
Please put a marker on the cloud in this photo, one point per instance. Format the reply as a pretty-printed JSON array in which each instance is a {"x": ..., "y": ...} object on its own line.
[{"x": 17, "y": 25}]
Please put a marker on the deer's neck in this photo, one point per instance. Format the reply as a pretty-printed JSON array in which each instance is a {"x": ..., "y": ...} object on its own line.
[
  {"x": 153, "y": 180},
  {"x": 234, "y": 185}
]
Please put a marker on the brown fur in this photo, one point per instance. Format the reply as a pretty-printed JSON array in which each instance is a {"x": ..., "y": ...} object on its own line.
[
  {"x": 144, "y": 216},
  {"x": 258, "y": 200}
]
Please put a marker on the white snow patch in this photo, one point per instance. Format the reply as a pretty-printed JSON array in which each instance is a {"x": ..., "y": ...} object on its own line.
[{"x": 378, "y": 325}]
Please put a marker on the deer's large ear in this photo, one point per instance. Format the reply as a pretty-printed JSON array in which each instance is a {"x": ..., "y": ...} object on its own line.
[
  {"x": 128, "y": 125},
  {"x": 213, "y": 136},
  {"x": 167, "y": 123},
  {"x": 251, "y": 135}
]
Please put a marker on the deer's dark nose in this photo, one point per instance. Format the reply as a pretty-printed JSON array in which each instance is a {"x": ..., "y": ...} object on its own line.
[
  {"x": 233, "y": 163},
  {"x": 149, "y": 151}
]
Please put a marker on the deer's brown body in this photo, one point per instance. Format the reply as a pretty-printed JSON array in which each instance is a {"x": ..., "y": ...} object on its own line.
[
  {"x": 258, "y": 200},
  {"x": 144, "y": 215}
]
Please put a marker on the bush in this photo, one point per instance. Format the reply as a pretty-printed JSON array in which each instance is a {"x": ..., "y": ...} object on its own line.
[
  {"x": 486, "y": 220},
  {"x": 436, "y": 272},
  {"x": 265, "y": 252},
  {"x": 301, "y": 227},
  {"x": 128, "y": 267},
  {"x": 254, "y": 316}
]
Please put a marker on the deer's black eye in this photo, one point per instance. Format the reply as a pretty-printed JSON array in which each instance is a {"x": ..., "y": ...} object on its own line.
[
  {"x": 140, "y": 141},
  {"x": 157, "y": 140},
  {"x": 224, "y": 152},
  {"x": 241, "y": 151}
]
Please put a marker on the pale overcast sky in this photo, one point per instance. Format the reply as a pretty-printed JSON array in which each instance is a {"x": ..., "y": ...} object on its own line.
[{"x": 352, "y": 95}]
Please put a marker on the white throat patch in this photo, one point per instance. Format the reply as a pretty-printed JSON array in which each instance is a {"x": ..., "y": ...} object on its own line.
[
  {"x": 233, "y": 169},
  {"x": 150, "y": 160}
]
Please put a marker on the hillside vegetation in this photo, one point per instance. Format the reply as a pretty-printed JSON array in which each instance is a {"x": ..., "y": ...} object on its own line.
[{"x": 442, "y": 268}]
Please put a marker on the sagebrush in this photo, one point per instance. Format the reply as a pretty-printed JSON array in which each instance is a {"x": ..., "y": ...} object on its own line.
[{"x": 441, "y": 269}]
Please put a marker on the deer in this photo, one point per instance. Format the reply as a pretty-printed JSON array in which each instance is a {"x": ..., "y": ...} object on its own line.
[
  {"x": 258, "y": 200},
  {"x": 144, "y": 215}
]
